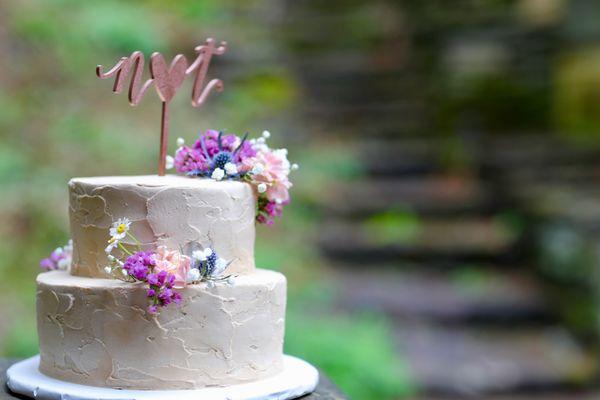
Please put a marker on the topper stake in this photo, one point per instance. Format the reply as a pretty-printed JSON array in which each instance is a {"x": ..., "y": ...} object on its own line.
[
  {"x": 164, "y": 138},
  {"x": 166, "y": 80}
]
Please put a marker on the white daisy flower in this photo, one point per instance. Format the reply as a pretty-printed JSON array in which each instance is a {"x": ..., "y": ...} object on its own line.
[
  {"x": 193, "y": 275},
  {"x": 218, "y": 174},
  {"x": 266, "y": 134},
  {"x": 262, "y": 187},
  {"x": 169, "y": 162},
  {"x": 180, "y": 142},
  {"x": 231, "y": 168},
  {"x": 120, "y": 228}
]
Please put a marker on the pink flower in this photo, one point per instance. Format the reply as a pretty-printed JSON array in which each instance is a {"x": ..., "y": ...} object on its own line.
[
  {"x": 275, "y": 172},
  {"x": 172, "y": 262}
]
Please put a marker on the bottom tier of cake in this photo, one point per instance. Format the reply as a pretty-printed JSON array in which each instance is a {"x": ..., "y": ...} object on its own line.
[{"x": 97, "y": 332}]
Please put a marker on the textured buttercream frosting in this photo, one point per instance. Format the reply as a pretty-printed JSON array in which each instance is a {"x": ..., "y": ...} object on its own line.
[
  {"x": 97, "y": 332},
  {"x": 164, "y": 210}
]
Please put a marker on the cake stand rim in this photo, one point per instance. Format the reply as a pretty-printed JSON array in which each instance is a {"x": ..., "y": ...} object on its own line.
[{"x": 298, "y": 378}]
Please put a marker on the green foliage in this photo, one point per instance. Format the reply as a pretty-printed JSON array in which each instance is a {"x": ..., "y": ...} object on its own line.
[
  {"x": 393, "y": 227},
  {"x": 13, "y": 166},
  {"x": 356, "y": 350},
  {"x": 124, "y": 26},
  {"x": 21, "y": 340},
  {"x": 497, "y": 102},
  {"x": 577, "y": 84}
]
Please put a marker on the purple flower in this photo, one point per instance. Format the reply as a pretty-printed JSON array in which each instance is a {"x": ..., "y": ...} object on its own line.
[
  {"x": 165, "y": 296},
  {"x": 262, "y": 219},
  {"x": 139, "y": 264},
  {"x": 59, "y": 258},
  {"x": 140, "y": 272},
  {"x": 246, "y": 151},
  {"x": 274, "y": 209},
  {"x": 47, "y": 264},
  {"x": 210, "y": 141},
  {"x": 189, "y": 160},
  {"x": 161, "y": 291},
  {"x": 56, "y": 255},
  {"x": 148, "y": 259},
  {"x": 170, "y": 281},
  {"x": 213, "y": 150},
  {"x": 268, "y": 210},
  {"x": 162, "y": 276},
  {"x": 177, "y": 298},
  {"x": 152, "y": 279}
]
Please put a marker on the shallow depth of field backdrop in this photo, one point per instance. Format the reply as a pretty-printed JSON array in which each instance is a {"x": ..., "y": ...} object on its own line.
[{"x": 443, "y": 235}]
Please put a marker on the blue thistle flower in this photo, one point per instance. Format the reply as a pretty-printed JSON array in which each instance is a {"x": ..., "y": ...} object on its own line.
[
  {"x": 211, "y": 263},
  {"x": 221, "y": 158}
]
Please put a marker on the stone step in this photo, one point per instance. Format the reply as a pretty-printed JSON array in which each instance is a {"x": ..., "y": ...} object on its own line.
[
  {"x": 355, "y": 88},
  {"x": 549, "y": 394},
  {"x": 325, "y": 70},
  {"x": 406, "y": 237},
  {"x": 429, "y": 195},
  {"x": 577, "y": 204},
  {"x": 519, "y": 158},
  {"x": 535, "y": 151},
  {"x": 403, "y": 116},
  {"x": 384, "y": 155},
  {"x": 568, "y": 174},
  {"x": 476, "y": 294},
  {"x": 473, "y": 362},
  {"x": 362, "y": 95}
]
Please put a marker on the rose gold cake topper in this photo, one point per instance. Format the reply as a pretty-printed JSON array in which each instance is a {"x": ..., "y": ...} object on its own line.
[{"x": 167, "y": 81}]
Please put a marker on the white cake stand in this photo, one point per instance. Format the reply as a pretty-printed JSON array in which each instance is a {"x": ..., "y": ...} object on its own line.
[{"x": 297, "y": 378}]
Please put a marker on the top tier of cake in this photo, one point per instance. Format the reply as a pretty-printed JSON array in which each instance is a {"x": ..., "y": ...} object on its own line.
[{"x": 164, "y": 210}]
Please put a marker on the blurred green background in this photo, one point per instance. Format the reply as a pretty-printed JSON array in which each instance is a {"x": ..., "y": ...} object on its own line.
[
  {"x": 471, "y": 125},
  {"x": 57, "y": 121}
]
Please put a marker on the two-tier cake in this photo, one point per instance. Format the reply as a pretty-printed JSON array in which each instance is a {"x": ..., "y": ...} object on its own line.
[
  {"x": 158, "y": 290},
  {"x": 96, "y": 330}
]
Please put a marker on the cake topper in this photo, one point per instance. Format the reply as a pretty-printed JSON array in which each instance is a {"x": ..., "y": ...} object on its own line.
[{"x": 167, "y": 81}]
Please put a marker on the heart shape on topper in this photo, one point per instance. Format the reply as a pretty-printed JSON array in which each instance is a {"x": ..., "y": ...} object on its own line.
[{"x": 167, "y": 80}]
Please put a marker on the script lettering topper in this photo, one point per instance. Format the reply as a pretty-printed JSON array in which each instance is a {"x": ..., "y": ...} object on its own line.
[{"x": 166, "y": 80}]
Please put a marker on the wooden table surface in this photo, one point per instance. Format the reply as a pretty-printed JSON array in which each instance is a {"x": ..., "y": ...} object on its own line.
[{"x": 326, "y": 390}]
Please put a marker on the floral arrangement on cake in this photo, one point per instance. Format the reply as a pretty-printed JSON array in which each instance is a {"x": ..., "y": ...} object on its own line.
[
  {"x": 163, "y": 270},
  {"x": 221, "y": 156},
  {"x": 59, "y": 259}
]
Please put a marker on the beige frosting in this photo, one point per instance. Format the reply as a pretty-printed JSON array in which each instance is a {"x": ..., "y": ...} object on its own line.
[
  {"x": 164, "y": 210},
  {"x": 97, "y": 332}
]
